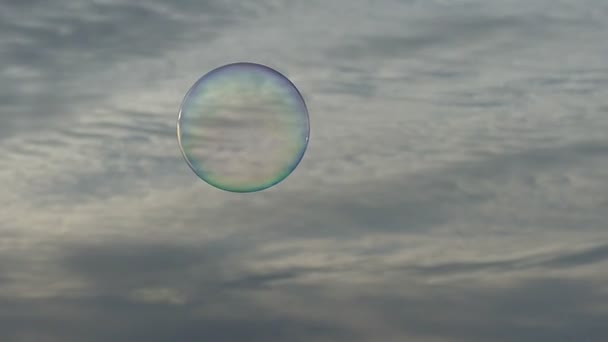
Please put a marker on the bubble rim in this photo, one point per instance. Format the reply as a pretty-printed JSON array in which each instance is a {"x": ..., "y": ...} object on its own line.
[{"x": 241, "y": 189}]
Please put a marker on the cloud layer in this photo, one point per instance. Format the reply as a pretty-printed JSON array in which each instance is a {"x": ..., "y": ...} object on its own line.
[{"x": 454, "y": 188}]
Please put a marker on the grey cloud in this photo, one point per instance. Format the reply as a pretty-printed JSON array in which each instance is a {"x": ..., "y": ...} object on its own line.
[
  {"x": 121, "y": 259},
  {"x": 440, "y": 31},
  {"x": 208, "y": 266},
  {"x": 63, "y": 51},
  {"x": 459, "y": 48},
  {"x": 123, "y": 141},
  {"x": 130, "y": 265},
  {"x": 203, "y": 269},
  {"x": 101, "y": 33},
  {"x": 426, "y": 200},
  {"x": 207, "y": 275},
  {"x": 83, "y": 136},
  {"x": 537, "y": 159},
  {"x": 113, "y": 318},
  {"x": 122, "y": 176},
  {"x": 253, "y": 281},
  {"x": 140, "y": 126},
  {"x": 450, "y": 312},
  {"x": 588, "y": 256},
  {"x": 363, "y": 88},
  {"x": 466, "y": 267},
  {"x": 121, "y": 274},
  {"x": 545, "y": 309}
]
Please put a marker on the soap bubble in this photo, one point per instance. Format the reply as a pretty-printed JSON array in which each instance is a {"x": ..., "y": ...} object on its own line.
[{"x": 243, "y": 127}]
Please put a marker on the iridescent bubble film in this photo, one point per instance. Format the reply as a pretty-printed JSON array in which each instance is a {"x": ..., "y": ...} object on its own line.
[{"x": 243, "y": 127}]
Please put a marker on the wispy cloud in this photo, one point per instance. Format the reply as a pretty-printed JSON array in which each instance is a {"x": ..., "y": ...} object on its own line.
[{"x": 454, "y": 188}]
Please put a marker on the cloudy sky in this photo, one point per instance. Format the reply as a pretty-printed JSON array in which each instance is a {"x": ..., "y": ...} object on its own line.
[{"x": 455, "y": 187}]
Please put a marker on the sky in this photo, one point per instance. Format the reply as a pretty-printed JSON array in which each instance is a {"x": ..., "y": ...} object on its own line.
[{"x": 455, "y": 185}]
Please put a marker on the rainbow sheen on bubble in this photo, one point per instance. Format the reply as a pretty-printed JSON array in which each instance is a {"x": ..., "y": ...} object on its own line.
[{"x": 243, "y": 127}]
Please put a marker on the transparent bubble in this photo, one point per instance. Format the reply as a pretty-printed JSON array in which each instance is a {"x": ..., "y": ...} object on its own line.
[{"x": 243, "y": 127}]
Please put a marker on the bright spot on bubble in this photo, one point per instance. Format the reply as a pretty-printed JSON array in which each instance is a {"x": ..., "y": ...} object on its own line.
[{"x": 243, "y": 127}]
